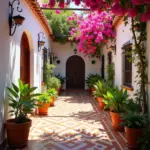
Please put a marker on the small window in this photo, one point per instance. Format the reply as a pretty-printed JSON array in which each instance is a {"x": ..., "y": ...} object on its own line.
[{"x": 127, "y": 68}]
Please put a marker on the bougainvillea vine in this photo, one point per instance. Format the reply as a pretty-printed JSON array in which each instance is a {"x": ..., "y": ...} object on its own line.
[
  {"x": 91, "y": 31},
  {"x": 131, "y": 8}
]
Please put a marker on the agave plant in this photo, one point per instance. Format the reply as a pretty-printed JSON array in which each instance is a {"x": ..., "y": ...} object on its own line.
[
  {"x": 100, "y": 89},
  {"x": 116, "y": 100}
]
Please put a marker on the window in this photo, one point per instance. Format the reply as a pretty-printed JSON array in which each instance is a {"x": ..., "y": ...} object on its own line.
[{"x": 127, "y": 68}]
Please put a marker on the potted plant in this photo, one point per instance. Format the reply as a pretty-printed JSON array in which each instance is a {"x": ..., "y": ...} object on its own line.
[
  {"x": 91, "y": 80},
  {"x": 116, "y": 101},
  {"x": 53, "y": 94},
  {"x": 99, "y": 92},
  {"x": 61, "y": 78},
  {"x": 44, "y": 103},
  {"x": 22, "y": 103},
  {"x": 55, "y": 83},
  {"x": 134, "y": 123}
]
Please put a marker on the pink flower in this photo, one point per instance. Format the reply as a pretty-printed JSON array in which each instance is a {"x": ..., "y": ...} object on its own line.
[
  {"x": 52, "y": 3},
  {"x": 57, "y": 11},
  {"x": 117, "y": 9},
  {"x": 44, "y": 5},
  {"x": 146, "y": 16},
  {"x": 137, "y": 2},
  {"x": 133, "y": 12}
]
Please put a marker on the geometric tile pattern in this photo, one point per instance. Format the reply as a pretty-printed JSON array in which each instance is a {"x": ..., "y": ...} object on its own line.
[{"x": 74, "y": 123}]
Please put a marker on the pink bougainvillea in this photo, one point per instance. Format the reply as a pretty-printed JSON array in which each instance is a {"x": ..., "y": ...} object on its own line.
[
  {"x": 91, "y": 31},
  {"x": 132, "y": 8}
]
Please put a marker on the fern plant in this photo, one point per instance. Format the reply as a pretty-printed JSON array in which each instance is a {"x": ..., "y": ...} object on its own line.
[{"x": 135, "y": 120}]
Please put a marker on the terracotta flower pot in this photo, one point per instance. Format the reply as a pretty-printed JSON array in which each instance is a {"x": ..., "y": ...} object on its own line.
[
  {"x": 52, "y": 101},
  {"x": 132, "y": 136},
  {"x": 92, "y": 89},
  {"x": 116, "y": 120},
  {"x": 17, "y": 133},
  {"x": 43, "y": 109},
  {"x": 58, "y": 90},
  {"x": 101, "y": 103}
]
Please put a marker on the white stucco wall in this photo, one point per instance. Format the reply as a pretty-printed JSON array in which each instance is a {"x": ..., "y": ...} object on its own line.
[
  {"x": 123, "y": 36},
  {"x": 10, "y": 53},
  {"x": 63, "y": 52}
]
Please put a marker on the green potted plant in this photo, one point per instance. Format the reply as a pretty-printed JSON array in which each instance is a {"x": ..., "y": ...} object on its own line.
[
  {"x": 134, "y": 123},
  {"x": 116, "y": 101},
  {"x": 44, "y": 103},
  {"x": 47, "y": 72},
  {"x": 55, "y": 83},
  {"x": 91, "y": 80},
  {"x": 100, "y": 91},
  {"x": 61, "y": 78},
  {"x": 22, "y": 103},
  {"x": 53, "y": 94}
]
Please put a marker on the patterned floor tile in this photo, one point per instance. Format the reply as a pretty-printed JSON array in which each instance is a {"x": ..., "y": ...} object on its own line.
[{"x": 74, "y": 123}]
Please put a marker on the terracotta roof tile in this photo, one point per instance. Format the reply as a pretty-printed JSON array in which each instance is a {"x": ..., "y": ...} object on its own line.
[{"x": 35, "y": 7}]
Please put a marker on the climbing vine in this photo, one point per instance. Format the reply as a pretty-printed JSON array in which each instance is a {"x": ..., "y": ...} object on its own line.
[{"x": 139, "y": 58}]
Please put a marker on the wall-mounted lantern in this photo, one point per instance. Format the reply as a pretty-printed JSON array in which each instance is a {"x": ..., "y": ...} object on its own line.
[
  {"x": 14, "y": 21},
  {"x": 41, "y": 40},
  {"x": 75, "y": 51},
  {"x": 53, "y": 57}
]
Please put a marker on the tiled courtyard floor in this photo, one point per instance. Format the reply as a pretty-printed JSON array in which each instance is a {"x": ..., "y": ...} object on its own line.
[{"x": 75, "y": 123}]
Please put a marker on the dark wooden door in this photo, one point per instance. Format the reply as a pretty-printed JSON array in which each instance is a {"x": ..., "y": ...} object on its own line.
[
  {"x": 25, "y": 60},
  {"x": 75, "y": 73}
]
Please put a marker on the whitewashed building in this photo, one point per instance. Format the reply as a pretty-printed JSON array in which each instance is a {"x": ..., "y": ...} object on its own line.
[{"x": 20, "y": 55}]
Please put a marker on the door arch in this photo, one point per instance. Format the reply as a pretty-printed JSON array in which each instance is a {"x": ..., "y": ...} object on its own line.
[
  {"x": 25, "y": 59},
  {"x": 75, "y": 73}
]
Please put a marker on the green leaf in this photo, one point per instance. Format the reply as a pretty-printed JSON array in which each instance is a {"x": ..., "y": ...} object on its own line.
[
  {"x": 21, "y": 87},
  {"x": 15, "y": 87},
  {"x": 13, "y": 92}
]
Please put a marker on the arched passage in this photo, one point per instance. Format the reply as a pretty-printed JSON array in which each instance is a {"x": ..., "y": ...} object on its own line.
[
  {"x": 25, "y": 59},
  {"x": 75, "y": 73}
]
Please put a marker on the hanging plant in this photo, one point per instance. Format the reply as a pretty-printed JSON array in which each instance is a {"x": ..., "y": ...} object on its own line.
[{"x": 93, "y": 62}]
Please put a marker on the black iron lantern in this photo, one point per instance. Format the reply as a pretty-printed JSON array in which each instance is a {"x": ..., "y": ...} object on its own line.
[
  {"x": 14, "y": 21},
  {"x": 75, "y": 51},
  {"x": 41, "y": 40}
]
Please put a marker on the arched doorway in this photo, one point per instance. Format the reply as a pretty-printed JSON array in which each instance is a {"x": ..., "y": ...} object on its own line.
[
  {"x": 75, "y": 73},
  {"x": 25, "y": 60}
]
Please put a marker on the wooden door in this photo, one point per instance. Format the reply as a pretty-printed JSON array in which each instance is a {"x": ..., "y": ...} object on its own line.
[
  {"x": 25, "y": 60},
  {"x": 75, "y": 73}
]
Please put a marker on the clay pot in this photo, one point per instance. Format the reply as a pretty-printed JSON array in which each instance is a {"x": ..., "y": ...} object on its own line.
[
  {"x": 17, "y": 133},
  {"x": 132, "y": 136},
  {"x": 43, "y": 109},
  {"x": 52, "y": 101},
  {"x": 116, "y": 120},
  {"x": 92, "y": 89},
  {"x": 58, "y": 90},
  {"x": 18, "y": 20},
  {"x": 101, "y": 103}
]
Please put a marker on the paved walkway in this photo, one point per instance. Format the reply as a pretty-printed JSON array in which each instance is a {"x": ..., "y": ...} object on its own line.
[{"x": 74, "y": 123}]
